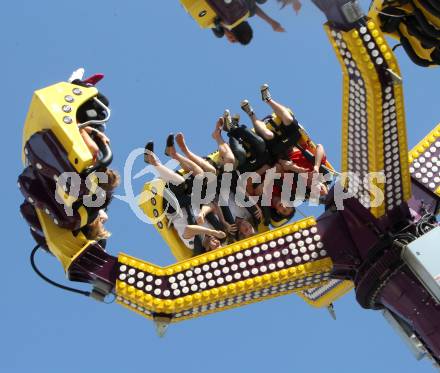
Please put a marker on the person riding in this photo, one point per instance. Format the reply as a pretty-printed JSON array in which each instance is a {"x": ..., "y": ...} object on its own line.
[
  {"x": 285, "y": 141},
  {"x": 243, "y": 33},
  {"x": 185, "y": 217}
]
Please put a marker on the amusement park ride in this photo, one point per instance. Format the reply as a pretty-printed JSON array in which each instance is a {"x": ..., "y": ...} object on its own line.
[{"x": 388, "y": 253}]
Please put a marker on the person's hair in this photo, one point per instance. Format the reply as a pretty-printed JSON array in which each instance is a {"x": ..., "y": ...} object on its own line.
[
  {"x": 277, "y": 217},
  {"x": 113, "y": 180},
  {"x": 243, "y": 33},
  {"x": 96, "y": 231},
  {"x": 251, "y": 221}
]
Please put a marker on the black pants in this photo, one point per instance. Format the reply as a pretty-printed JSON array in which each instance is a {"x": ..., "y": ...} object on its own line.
[
  {"x": 285, "y": 137},
  {"x": 249, "y": 149}
]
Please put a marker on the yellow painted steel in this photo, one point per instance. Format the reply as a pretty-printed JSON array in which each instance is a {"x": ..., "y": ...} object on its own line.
[
  {"x": 424, "y": 53},
  {"x": 374, "y": 109},
  {"x": 138, "y": 298},
  {"x": 46, "y": 112},
  {"x": 204, "y": 15},
  {"x": 329, "y": 297},
  {"x": 61, "y": 242},
  {"x": 157, "y": 215},
  {"x": 423, "y": 146}
]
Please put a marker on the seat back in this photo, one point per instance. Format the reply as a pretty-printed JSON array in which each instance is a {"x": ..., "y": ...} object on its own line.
[
  {"x": 153, "y": 205},
  {"x": 207, "y": 12}
]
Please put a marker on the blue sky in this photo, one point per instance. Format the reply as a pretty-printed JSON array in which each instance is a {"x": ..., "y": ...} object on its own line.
[{"x": 164, "y": 74}]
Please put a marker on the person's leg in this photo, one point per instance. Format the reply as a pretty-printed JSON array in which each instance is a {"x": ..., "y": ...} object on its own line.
[
  {"x": 259, "y": 125},
  {"x": 256, "y": 143},
  {"x": 165, "y": 173},
  {"x": 319, "y": 156},
  {"x": 280, "y": 110},
  {"x": 187, "y": 164},
  {"x": 238, "y": 151},
  {"x": 225, "y": 152},
  {"x": 199, "y": 161}
]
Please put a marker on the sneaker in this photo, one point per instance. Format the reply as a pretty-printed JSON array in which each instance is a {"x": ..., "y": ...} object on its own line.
[
  {"x": 149, "y": 149},
  {"x": 227, "y": 121},
  {"x": 236, "y": 120},
  {"x": 247, "y": 108},
  {"x": 78, "y": 74},
  {"x": 265, "y": 93}
]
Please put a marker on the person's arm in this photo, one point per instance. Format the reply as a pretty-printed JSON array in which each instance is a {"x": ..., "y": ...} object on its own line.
[
  {"x": 231, "y": 228},
  {"x": 296, "y": 6},
  {"x": 291, "y": 166},
  {"x": 205, "y": 210},
  {"x": 193, "y": 230},
  {"x": 276, "y": 26},
  {"x": 90, "y": 143}
]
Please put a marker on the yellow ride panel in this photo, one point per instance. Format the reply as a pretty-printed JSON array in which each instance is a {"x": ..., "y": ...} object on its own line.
[
  {"x": 55, "y": 108},
  {"x": 373, "y": 125},
  {"x": 201, "y": 11},
  {"x": 424, "y": 53},
  {"x": 61, "y": 242},
  {"x": 425, "y": 161},
  {"x": 258, "y": 268},
  {"x": 325, "y": 295}
]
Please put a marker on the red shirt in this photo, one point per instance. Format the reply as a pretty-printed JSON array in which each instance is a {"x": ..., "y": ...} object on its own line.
[{"x": 297, "y": 157}]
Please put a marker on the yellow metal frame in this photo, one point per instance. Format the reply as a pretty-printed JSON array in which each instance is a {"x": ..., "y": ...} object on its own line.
[
  {"x": 46, "y": 112},
  {"x": 172, "y": 306},
  {"x": 204, "y": 15},
  {"x": 373, "y": 89},
  {"x": 422, "y": 52},
  {"x": 61, "y": 242},
  {"x": 330, "y": 296},
  {"x": 424, "y": 145}
]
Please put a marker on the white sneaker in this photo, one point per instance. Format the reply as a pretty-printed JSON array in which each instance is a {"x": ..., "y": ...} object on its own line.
[
  {"x": 227, "y": 121},
  {"x": 247, "y": 108},
  {"x": 236, "y": 120},
  {"x": 77, "y": 74},
  {"x": 265, "y": 93}
]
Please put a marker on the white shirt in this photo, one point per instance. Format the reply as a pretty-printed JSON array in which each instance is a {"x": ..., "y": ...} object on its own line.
[
  {"x": 237, "y": 211},
  {"x": 180, "y": 222}
]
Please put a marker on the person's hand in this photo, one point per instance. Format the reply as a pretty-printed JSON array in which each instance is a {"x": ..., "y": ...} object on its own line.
[
  {"x": 231, "y": 228},
  {"x": 316, "y": 169},
  {"x": 258, "y": 214},
  {"x": 296, "y": 6},
  {"x": 217, "y": 133},
  {"x": 103, "y": 137},
  {"x": 276, "y": 26},
  {"x": 200, "y": 219},
  {"x": 219, "y": 234}
]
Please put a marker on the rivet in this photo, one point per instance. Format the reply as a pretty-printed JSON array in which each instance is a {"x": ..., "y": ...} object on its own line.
[
  {"x": 77, "y": 91},
  {"x": 67, "y": 108},
  {"x": 67, "y": 119},
  {"x": 69, "y": 98}
]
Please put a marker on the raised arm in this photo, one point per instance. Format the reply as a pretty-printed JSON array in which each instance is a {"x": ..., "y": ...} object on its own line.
[{"x": 276, "y": 26}]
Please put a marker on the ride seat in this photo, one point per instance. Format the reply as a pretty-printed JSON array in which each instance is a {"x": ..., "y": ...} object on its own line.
[
  {"x": 30, "y": 215},
  {"x": 40, "y": 192}
]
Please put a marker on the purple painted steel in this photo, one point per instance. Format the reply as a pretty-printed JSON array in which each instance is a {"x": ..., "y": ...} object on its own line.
[
  {"x": 362, "y": 249},
  {"x": 94, "y": 264},
  {"x": 231, "y": 12},
  {"x": 423, "y": 199},
  {"x": 405, "y": 296}
]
